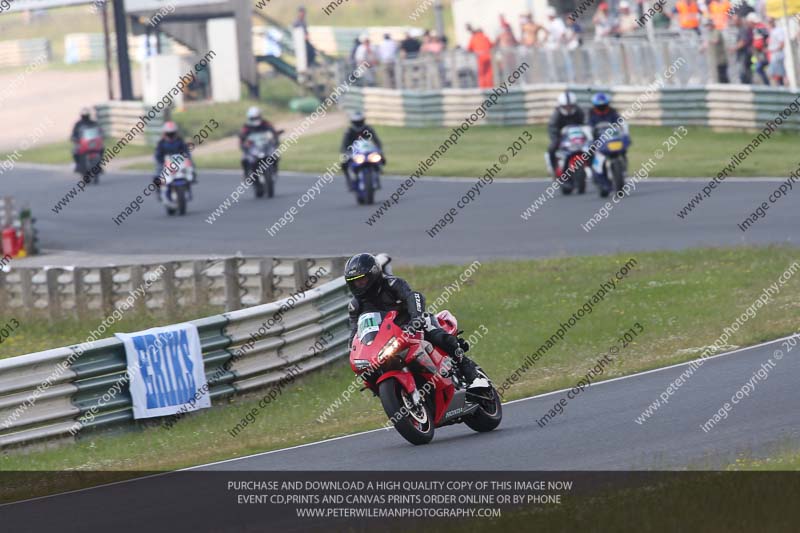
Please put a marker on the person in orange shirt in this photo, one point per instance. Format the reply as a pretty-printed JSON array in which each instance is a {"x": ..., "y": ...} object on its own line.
[
  {"x": 688, "y": 15},
  {"x": 481, "y": 46},
  {"x": 718, "y": 13}
]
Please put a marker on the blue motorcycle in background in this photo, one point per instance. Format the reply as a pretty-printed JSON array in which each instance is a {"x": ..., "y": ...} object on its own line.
[
  {"x": 365, "y": 164},
  {"x": 610, "y": 163}
]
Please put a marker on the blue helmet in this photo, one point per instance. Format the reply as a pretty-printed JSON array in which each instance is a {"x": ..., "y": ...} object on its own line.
[{"x": 600, "y": 100}]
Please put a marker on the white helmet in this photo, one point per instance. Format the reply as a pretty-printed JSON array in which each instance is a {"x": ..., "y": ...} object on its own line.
[
  {"x": 253, "y": 116},
  {"x": 567, "y": 103}
]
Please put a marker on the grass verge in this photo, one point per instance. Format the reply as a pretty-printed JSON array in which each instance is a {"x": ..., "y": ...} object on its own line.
[
  {"x": 701, "y": 153},
  {"x": 682, "y": 299}
]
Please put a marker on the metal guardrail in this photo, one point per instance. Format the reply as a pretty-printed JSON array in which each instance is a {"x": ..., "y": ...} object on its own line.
[
  {"x": 716, "y": 106},
  {"x": 230, "y": 282},
  {"x": 48, "y": 395},
  {"x": 118, "y": 119}
]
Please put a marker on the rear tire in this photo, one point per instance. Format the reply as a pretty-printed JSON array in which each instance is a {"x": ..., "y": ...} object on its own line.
[
  {"x": 417, "y": 427},
  {"x": 489, "y": 413}
]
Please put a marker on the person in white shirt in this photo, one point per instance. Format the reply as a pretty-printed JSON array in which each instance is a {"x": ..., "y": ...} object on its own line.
[
  {"x": 627, "y": 20},
  {"x": 387, "y": 50},
  {"x": 555, "y": 28}
]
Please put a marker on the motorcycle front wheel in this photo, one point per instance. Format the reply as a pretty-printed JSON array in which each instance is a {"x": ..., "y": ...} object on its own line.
[
  {"x": 270, "y": 182},
  {"x": 414, "y": 423},
  {"x": 180, "y": 198},
  {"x": 369, "y": 187},
  {"x": 258, "y": 187},
  {"x": 618, "y": 174}
]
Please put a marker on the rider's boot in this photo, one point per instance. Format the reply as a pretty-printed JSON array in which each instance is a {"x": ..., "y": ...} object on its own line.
[{"x": 466, "y": 366}]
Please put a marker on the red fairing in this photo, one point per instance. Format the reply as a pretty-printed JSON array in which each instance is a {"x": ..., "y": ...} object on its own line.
[{"x": 364, "y": 359}]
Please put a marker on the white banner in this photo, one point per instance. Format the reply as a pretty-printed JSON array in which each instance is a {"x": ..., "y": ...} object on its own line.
[{"x": 166, "y": 370}]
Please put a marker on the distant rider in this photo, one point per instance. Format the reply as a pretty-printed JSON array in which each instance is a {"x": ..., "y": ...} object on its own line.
[
  {"x": 374, "y": 290},
  {"x": 567, "y": 113},
  {"x": 358, "y": 130},
  {"x": 255, "y": 123},
  {"x": 84, "y": 122},
  {"x": 602, "y": 111},
  {"x": 171, "y": 143}
]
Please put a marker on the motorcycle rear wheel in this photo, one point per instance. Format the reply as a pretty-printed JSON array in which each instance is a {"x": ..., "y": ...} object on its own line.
[
  {"x": 489, "y": 413},
  {"x": 416, "y": 426}
]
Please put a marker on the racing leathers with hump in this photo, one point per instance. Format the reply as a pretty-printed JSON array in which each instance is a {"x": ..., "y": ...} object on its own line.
[
  {"x": 358, "y": 130},
  {"x": 567, "y": 113},
  {"x": 375, "y": 291}
]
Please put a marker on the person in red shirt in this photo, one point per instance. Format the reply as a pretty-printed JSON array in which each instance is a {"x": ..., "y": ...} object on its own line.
[{"x": 481, "y": 46}]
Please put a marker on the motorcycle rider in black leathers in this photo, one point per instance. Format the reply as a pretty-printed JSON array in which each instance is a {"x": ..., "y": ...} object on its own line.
[
  {"x": 358, "y": 130},
  {"x": 375, "y": 291},
  {"x": 84, "y": 122},
  {"x": 567, "y": 113}
]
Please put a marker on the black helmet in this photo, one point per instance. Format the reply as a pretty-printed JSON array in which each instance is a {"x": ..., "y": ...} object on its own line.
[{"x": 361, "y": 273}]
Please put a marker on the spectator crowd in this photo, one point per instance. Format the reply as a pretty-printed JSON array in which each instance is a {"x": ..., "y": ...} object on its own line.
[{"x": 727, "y": 31}]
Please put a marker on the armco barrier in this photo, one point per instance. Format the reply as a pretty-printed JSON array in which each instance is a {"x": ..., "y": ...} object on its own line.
[
  {"x": 229, "y": 282},
  {"x": 44, "y": 395},
  {"x": 118, "y": 118},
  {"x": 80, "y": 47},
  {"x": 716, "y": 106}
]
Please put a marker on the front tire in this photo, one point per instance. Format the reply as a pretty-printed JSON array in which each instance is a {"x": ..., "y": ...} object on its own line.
[
  {"x": 369, "y": 187},
  {"x": 258, "y": 187},
  {"x": 416, "y": 424},
  {"x": 580, "y": 179},
  {"x": 270, "y": 182},
  {"x": 618, "y": 174},
  {"x": 180, "y": 197}
]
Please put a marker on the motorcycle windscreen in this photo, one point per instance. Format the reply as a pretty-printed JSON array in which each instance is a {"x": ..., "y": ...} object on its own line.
[
  {"x": 363, "y": 146},
  {"x": 261, "y": 138},
  {"x": 369, "y": 324},
  {"x": 90, "y": 133}
]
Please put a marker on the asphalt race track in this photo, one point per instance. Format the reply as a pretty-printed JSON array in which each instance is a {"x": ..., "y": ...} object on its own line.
[
  {"x": 597, "y": 430},
  {"x": 332, "y": 224}
]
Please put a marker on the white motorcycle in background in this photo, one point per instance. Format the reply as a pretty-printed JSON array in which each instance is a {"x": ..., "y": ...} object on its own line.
[
  {"x": 176, "y": 191},
  {"x": 259, "y": 148}
]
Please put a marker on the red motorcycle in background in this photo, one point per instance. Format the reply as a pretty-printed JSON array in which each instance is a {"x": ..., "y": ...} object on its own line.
[
  {"x": 573, "y": 158},
  {"x": 418, "y": 385},
  {"x": 89, "y": 148}
]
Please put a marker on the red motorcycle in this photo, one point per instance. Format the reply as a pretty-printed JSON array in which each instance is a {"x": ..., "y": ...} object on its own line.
[
  {"x": 89, "y": 148},
  {"x": 419, "y": 387}
]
